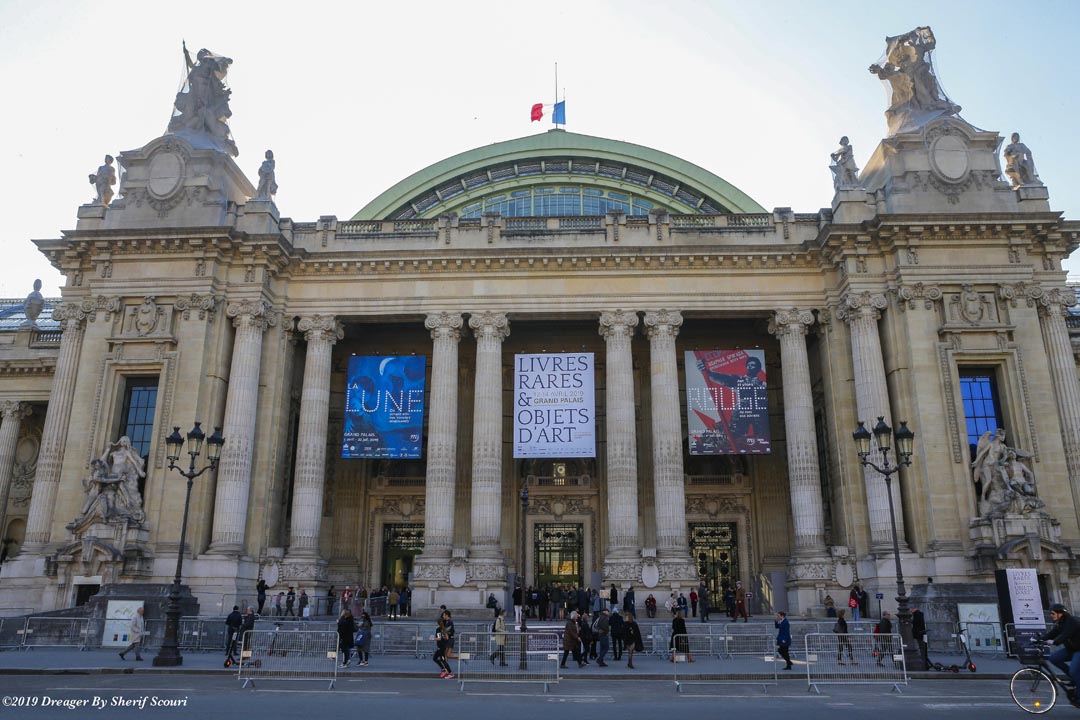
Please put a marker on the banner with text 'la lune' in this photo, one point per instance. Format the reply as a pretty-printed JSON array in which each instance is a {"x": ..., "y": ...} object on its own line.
[
  {"x": 727, "y": 403},
  {"x": 384, "y": 407},
  {"x": 554, "y": 398}
]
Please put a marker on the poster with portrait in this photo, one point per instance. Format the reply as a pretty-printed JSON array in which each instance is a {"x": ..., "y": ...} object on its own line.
[
  {"x": 554, "y": 399},
  {"x": 727, "y": 402},
  {"x": 384, "y": 407}
]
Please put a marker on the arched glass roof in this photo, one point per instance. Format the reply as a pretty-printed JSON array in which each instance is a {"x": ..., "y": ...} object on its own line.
[{"x": 558, "y": 173}]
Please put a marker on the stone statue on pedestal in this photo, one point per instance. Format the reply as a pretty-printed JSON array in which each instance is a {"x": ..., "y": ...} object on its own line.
[
  {"x": 112, "y": 490},
  {"x": 1019, "y": 165},
  {"x": 845, "y": 171},
  {"x": 202, "y": 112},
  {"x": 33, "y": 305},
  {"x": 916, "y": 95},
  {"x": 103, "y": 180},
  {"x": 267, "y": 179},
  {"x": 1006, "y": 484}
]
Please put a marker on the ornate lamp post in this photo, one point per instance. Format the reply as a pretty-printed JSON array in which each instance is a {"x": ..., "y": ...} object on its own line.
[
  {"x": 905, "y": 438},
  {"x": 523, "y": 663},
  {"x": 169, "y": 654}
]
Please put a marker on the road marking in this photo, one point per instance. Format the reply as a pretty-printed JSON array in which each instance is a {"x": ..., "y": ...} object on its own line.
[
  {"x": 339, "y": 692},
  {"x": 759, "y": 696},
  {"x": 953, "y": 706},
  {"x": 582, "y": 699},
  {"x": 119, "y": 689}
]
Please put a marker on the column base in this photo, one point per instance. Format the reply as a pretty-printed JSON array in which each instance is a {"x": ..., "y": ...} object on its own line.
[
  {"x": 225, "y": 549},
  {"x": 299, "y": 569}
]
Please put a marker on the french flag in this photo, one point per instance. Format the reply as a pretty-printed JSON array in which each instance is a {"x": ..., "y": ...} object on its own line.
[{"x": 558, "y": 114}]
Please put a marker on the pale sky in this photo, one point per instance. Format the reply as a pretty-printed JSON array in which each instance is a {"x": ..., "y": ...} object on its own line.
[{"x": 354, "y": 97}]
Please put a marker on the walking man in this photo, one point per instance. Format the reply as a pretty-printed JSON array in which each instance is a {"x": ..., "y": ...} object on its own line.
[
  {"x": 135, "y": 633},
  {"x": 783, "y": 637}
]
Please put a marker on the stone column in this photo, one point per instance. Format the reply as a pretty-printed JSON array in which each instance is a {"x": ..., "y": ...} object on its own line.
[
  {"x": 54, "y": 435},
  {"x": 668, "y": 480},
  {"x": 442, "y": 437},
  {"x": 862, "y": 312},
  {"x": 804, "y": 476},
  {"x": 321, "y": 332},
  {"x": 490, "y": 330},
  {"x": 1059, "y": 353},
  {"x": 12, "y": 413},
  {"x": 624, "y": 542},
  {"x": 251, "y": 318}
]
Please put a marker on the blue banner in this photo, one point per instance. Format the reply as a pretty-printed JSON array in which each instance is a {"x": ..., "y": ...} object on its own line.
[{"x": 384, "y": 407}]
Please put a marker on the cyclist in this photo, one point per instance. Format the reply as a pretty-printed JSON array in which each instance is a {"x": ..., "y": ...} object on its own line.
[{"x": 1066, "y": 633}]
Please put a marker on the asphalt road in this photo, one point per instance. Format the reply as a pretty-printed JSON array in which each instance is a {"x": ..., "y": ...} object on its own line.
[{"x": 208, "y": 698}]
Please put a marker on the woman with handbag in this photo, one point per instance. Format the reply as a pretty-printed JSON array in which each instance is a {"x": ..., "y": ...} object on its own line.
[
  {"x": 498, "y": 638},
  {"x": 842, "y": 640},
  {"x": 363, "y": 638},
  {"x": 633, "y": 639}
]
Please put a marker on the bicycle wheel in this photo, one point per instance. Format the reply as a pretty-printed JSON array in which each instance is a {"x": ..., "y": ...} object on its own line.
[{"x": 1032, "y": 690}]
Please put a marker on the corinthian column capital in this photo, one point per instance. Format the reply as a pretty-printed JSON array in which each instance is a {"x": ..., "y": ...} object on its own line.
[
  {"x": 856, "y": 305},
  {"x": 321, "y": 327},
  {"x": 444, "y": 325},
  {"x": 1056, "y": 301},
  {"x": 618, "y": 323},
  {"x": 13, "y": 409},
  {"x": 791, "y": 321},
  {"x": 663, "y": 323},
  {"x": 490, "y": 324},
  {"x": 251, "y": 313}
]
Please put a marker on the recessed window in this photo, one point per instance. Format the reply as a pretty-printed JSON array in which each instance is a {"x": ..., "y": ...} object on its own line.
[
  {"x": 137, "y": 420},
  {"x": 982, "y": 406}
]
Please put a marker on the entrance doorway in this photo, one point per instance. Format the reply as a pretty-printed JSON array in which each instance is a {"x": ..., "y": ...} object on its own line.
[
  {"x": 715, "y": 547},
  {"x": 559, "y": 552},
  {"x": 401, "y": 544},
  {"x": 83, "y": 593}
]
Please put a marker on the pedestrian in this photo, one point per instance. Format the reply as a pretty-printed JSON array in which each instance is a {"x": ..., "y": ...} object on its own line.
[
  {"x": 450, "y": 633},
  {"x": 135, "y": 633},
  {"x": 883, "y": 639},
  {"x": 672, "y": 604},
  {"x": 232, "y": 630},
  {"x": 613, "y": 598},
  {"x": 634, "y": 642},
  {"x": 498, "y": 638},
  {"x": 704, "y": 600},
  {"x": 290, "y": 600},
  {"x": 740, "y": 603},
  {"x": 304, "y": 600},
  {"x": 830, "y": 606},
  {"x": 248, "y": 626},
  {"x": 693, "y": 603},
  {"x": 853, "y": 602},
  {"x": 684, "y": 606},
  {"x": 392, "y": 598},
  {"x": 918, "y": 632},
  {"x": 650, "y": 606},
  {"x": 628, "y": 602},
  {"x": 558, "y": 600},
  {"x": 864, "y": 602},
  {"x": 442, "y": 639},
  {"x": 331, "y": 596},
  {"x": 582, "y": 600},
  {"x": 603, "y": 635},
  {"x": 584, "y": 636},
  {"x": 783, "y": 637},
  {"x": 405, "y": 602},
  {"x": 363, "y": 638},
  {"x": 517, "y": 605},
  {"x": 680, "y": 639},
  {"x": 278, "y": 600},
  {"x": 618, "y": 628},
  {"x": 571, "y": 643},
  {"x": 842, "y": 640},
  {"x": 346, "y": 631},
  {"x": 346, "y": 598},
  {"x": 260, "y": 594},
  {"x": 729, "y": 601}
]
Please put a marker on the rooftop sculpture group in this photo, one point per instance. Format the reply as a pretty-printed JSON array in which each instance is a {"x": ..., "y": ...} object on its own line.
[
  {"x": 917, "y": 98},
  {"x": 201, "y": 111}
]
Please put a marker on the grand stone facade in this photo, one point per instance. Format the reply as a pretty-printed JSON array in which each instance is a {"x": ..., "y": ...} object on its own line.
[{"x": 192, "y": 287}]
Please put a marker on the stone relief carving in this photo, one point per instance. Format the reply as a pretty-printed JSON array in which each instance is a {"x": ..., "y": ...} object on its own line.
[
  {"x": 971, "y": 306},
  {"x": 103, "y": 180},
  {"x": 26, "y": 459},
  {"x": 1004, "y": 482},
  {"x": 1019, "y": 165},
  {"x": 112, "y": 489},
  {"x": 267, "y": 178},
  {"x": 201, "y": 110},
  {"x": 916, "y": 96},
  {"x": 146, "y": 316},
  {"x": 909, "y": 294},
  {"x": 844, "y": 170}
]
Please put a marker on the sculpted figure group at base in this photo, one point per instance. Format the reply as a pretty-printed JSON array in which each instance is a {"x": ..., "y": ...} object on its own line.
[
  {"x": 1006, "y": 484},
  {"x": 204, "y": 108},
  {"x": 112, "y": 490},
  {"x": 1019, "y": 165}
]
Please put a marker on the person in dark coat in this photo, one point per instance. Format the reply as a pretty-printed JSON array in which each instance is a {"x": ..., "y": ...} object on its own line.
[
  {"x": 617, "y": 629},
  {"x": 582, "y": 600},
  {"x": 1066, "y": 633},
  {"x": 260, "y": 594},
  {"x": 628, "y": 602},
  {"x": 883, "y": 641},
  {"x": 783, "y": 637},
  {"x": 680, "y": 640},
  {"x": 232, "y": 628},
  {"x": 842, "y": 640},
  {"x": 704, "y": 603},
  {"x": 247, "y": 626},
  {"x": 918, "y": 632},
  {"x": 571, "y": 642},
  {"x": 346, "y": 630},
  {"x": 585, "y": 636},
  {"x": 634, "y": 642}
]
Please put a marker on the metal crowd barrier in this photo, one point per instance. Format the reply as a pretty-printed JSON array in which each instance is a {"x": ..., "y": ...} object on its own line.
[
  {"x": 294, "y": 655},
  {"x": 12, "y": 631},
  {"x": 531, "y": 657},
  {"x": 848, "y": 659},
  {"x": 710, "y": 670},
  {"x": 62, "y": 632}
]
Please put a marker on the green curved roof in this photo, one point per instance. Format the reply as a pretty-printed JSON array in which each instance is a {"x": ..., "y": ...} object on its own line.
[{"x": 558, "y": 157}]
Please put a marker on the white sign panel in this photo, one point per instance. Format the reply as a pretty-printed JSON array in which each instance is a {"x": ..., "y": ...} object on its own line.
[
  {"x": 118, "y": 615},
  {"x": 554, "y": 409},
  {"x": 1026, "y": 600}
]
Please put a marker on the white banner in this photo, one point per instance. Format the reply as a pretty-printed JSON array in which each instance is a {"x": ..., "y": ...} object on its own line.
[
  {"x": 1026, "y": 600},
  {"x": 554, "y": 409}
]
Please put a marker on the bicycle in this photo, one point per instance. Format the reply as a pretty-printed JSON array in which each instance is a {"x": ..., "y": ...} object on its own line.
[{"x": 1034, "y": 687}]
